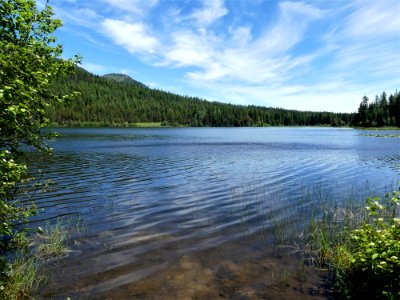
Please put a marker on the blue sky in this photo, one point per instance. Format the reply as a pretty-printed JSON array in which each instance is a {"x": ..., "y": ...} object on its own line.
[{"x": 306, "y": 55}]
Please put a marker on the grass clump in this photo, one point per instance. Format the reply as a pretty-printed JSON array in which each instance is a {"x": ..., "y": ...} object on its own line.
[
  {"x": 52, "y": 241},
  {"x": 366, "y": 256},
  {"x": 23, "y": 276},
  {"x": 26, "y": 270}
]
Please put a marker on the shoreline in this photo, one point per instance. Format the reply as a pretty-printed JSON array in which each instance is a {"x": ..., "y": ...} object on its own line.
[{"x": 91, "y": 124}]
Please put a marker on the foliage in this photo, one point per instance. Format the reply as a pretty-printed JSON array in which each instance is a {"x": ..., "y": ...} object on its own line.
[
  {"x": 384, "y": 111},
  {"x": 363, "y": 251},
  {"x": 10, "y": 174},
  {"x": 373, "y": 266},
  {"x": 110, "y": 100},
  {"x": 29, "y": 61}
]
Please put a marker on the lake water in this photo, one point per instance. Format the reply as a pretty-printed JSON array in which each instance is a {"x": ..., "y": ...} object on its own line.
[{"x": 192, "y": 212}]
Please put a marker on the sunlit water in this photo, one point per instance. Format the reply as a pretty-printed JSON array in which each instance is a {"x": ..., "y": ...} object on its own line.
[{"x": 192, "y": 202}]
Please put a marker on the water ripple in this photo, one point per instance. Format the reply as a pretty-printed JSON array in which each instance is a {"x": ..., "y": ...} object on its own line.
[{"x": 148, "y": 196}]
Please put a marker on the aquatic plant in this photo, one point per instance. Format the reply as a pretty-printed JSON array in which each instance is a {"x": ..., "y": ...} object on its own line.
[
  {"x": 27, "y": 272},
  {"x": 23, "y": 276},
  {"x": 362, "y": 248},
  {"x": 51, "y": 241},
  {"x": 382, "y": 135}
]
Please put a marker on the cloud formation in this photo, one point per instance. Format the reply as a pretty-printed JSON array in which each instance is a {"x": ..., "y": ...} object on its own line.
[
  {"x": 235, "y": 55},
  {"x": 211, "y": 12},
  {"x": 134, "y": 37},
  {"x": 138, "y": 7}
]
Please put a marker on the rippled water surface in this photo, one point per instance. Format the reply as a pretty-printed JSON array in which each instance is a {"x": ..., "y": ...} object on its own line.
[{"x": 190, "y": 212}]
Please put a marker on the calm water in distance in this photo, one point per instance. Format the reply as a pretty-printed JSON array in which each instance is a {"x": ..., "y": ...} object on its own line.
[{"x": 151, "y": 196}]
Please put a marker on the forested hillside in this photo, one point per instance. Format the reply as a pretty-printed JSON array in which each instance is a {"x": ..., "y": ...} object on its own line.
[{"x": 117, "y": 99}]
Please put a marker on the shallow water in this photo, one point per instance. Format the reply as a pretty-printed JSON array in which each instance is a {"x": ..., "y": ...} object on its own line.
[{"x": 191, "y": 212}]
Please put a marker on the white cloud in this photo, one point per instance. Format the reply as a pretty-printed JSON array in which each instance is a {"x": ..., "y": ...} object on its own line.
[
  {"x": 134, "y": 37},
  {"x": 365, "y": 45},
  {"x": 233, "y": 55},
  {"x": 85, "y": 17},
  {"x": 335, "y": 96},
  {"x": 374, "y": 19},
  {"x": 189, "y": 49},
  {"x": 132, "y": 6},
  {"x": 241, "y": 35},
  {"x": 94, "y": 68},
  {"x": 243, "y": 58},
  {"x": 210, "y": 12},
  {"x": 294, "y": 20},
  {"x": 353, "y": 58}
]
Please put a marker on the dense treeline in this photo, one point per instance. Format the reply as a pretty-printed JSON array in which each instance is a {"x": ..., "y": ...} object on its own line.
[
  {"x": 384, "y": 111},
  {"x": 112, "y": 101}
]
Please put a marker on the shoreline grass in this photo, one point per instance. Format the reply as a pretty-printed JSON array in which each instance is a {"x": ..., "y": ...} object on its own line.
[
  {"x": 23, "y": 276},
  {"x": 329, "y": 236},
  {"x": 92, "y": 124},
  {"x": 27, "y": 270},
  {"x": 360, "y": 246}
]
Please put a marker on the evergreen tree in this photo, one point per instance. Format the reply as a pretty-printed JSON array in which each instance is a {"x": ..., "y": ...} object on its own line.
[{"x": 382, "y": 112}]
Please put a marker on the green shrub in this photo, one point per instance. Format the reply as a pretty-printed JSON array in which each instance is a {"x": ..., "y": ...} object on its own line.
[
  {"x": 30, "y": 60},
  {"x": 367, "y": 259}
]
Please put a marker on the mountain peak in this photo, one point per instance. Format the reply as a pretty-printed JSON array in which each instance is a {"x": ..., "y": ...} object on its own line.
[{"x": 123, "y": 78}]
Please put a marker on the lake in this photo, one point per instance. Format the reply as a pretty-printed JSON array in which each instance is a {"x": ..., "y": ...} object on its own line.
[{"x": 194, "y": 212}]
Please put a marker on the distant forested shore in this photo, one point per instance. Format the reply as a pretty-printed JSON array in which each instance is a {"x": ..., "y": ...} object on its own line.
[
  {"x": 119, "y": 101},
  {"x": 383, "y": 111}
]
